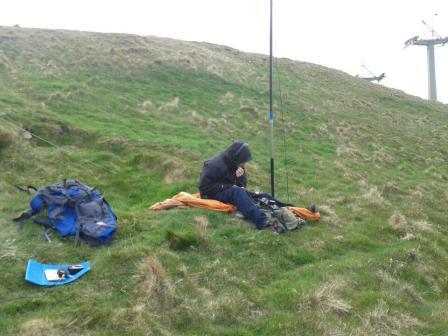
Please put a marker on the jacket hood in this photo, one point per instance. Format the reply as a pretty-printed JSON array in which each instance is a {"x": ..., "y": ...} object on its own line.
[{"x": 238, "y": 153}]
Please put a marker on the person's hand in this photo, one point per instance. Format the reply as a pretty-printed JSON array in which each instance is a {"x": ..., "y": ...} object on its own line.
[{"x": 239, "y": 172}]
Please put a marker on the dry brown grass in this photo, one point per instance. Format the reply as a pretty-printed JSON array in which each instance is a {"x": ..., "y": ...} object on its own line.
[
  {"x": 345, "y": 132},
  {"x": 326, "y": 300},
  {"x": 214, "y": 69},
  {"x": 7, "y": 137},
  {"x": 175, "y": 172},
  {"x": 247, "y": 105},
  {"x": 227, "y": 99},
  {"x": 382, "y": 156},
  {"x": 373, "y": 195},
  {"x": 349, "y": 150},
  {"x": 329, "y": 215},
  {"x": 422, "y": 225},
  {"x": 137, "y": 317},
  {"x": 147, "y": 106},
  {"x": 9, "y": 249},
  {"x": 170, "y": 106},
  {"x": 401, "y": 287},
  {"x": 216, "y": 122},
  {"x": 382, "y": 321},
  {"x": 38, "y": 327},
  {"x": 154, "y": 287},
  {"x": 58, "y": 95},
  {"x": 398, "y": 221},
  {"x": 232, "y": 305},
  {"x": 4, "y": 61},
  {"x": 392, "y": 189},
  {"x": 418, "y": 192},
  {"x": 318, "y": 245},
  {"x": 322, "y": 129},
  {"x": 202, "y": 221}
]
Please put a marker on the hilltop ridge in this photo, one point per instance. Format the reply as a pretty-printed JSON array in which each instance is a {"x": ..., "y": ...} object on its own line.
[{"x": 136, "y": 116}]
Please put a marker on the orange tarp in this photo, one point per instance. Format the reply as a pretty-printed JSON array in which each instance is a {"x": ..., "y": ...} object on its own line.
[
  {"x": 305, "y": 214},
  {"x": 184, "y": 200}
]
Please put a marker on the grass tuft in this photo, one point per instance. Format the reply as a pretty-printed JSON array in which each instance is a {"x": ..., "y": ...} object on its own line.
[
  {"x": 154, "y": 287},
  {"x": 326, "y": 300},
  {"x": 383, "y": 321},
  {"x": 398, "y": 222},
  {"x": 329, "y": 215},
  {"x": 182, "y": 241},
  {"x": 7, "y": 138},
  {"x": 38, "y": 327}
]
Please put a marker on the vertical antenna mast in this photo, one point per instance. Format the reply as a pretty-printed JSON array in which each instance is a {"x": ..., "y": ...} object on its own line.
[{"x": 271, "y": 109}]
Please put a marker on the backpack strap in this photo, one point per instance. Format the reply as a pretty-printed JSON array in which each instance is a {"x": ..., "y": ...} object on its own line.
[
  {"x": 26, "y": 189},
  {"x": 43, "y": 221},
  {"x": 47, "y": 235},
  {"x": 78, "y": 227},
  {"x": 78, "y": 215},
  {"x": 24, "y": 215},
  {"x": 30, "y": 214}
]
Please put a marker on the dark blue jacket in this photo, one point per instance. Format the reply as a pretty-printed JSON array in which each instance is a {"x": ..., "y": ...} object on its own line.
[{"x": 218, "y": 172}]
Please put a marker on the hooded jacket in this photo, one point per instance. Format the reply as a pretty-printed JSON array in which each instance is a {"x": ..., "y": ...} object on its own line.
[{"x": 218, "y": 172}]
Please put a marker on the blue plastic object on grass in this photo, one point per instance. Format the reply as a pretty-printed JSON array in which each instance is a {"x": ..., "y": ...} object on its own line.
[{"x": 35, "y": 273}]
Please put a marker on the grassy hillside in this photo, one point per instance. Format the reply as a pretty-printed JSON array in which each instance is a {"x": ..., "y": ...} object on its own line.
[{"x": 136, "y": 116}]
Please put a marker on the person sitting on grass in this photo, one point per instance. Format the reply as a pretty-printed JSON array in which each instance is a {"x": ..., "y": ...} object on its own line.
[{"x": 223, "y": 178}]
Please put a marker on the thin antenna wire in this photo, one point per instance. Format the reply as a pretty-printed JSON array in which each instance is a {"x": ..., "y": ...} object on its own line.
[
  {"x": 54, "y": 145},
  {"x": 271, "y": 107},
  {"x": 282, "y": 113},
  {"x": 25, "y": 130}
]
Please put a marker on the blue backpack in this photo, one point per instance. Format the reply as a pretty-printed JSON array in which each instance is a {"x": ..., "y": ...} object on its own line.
[{"x": 74, "y": 209}]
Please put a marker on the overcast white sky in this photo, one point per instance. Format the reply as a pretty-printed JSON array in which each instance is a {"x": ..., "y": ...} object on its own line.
[{"x": 340, "y": 34}]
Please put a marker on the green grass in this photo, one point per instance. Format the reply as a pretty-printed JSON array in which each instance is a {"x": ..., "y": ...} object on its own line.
[{"x": 372, "y": 159}]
